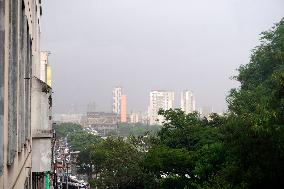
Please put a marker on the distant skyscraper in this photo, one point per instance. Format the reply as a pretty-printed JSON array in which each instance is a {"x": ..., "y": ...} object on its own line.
[
  {"x": 116, "y": 100},
  {"x": 187, "y": 101},
  {"x": 206, "y": 111},
  {"x": 135, "y": 117},
  {"x": 123, "y": 118},
  {"x": 159, "y": 100}
]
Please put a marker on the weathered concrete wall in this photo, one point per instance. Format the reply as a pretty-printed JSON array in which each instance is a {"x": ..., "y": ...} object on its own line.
[
  {"x": 28, "y": 76},
  {"x": 36, "y": 105},
  {"x": 2, "y": 58},
  {"x": 18, "y": 20},
  {"x": 41, "y": 156},
  {"x": 13, "y": 81},
  {"x": 41, "y": 126}
]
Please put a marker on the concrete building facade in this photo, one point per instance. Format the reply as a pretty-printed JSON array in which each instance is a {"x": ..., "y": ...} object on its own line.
[
  {"x": 159, "y": 100},
  {"x": 116, "y": 105},
  {"x": 69, "y": 118},
  {"x": 187, "y": 101},
  {"x": 102, "y": 122},
  {"x": 19, "y": 68},
  {"x": 205, "y": 111},
  {"x": 123, "y": 114},
  {"x": 135, "y": 118},
  {"x": 41, "y": 122}
]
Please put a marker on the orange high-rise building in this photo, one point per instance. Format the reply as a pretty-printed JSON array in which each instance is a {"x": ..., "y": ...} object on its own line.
[{"x": 123, "y": 118}]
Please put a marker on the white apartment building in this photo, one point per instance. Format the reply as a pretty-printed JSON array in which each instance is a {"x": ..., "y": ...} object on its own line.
[
  {"x": 117, "y": 92},
  {"x": 135, "y": 117},
  {"x": 159, "y": 100},
  {"x": 205, "y": 111},
  {"x": 187, "y": 101}
]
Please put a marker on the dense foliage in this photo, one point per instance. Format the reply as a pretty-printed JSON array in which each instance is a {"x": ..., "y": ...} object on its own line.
[
  {"x": 63, "y": 129},
  {"x": 242, "y": 149},
  {"x": 82, "y": 139},
  {"x": 255, "y": 128},
  {"x": 138, "y": 129},
  {"x": 113, "y": 163},
  {"x": 77, "y": 138}
]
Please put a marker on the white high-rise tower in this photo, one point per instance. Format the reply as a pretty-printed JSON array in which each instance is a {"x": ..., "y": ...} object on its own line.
[
  {"x": 159, "y": 100},
  {"x": 116, "y": 100},
  {"x": 187, "y": 101}
]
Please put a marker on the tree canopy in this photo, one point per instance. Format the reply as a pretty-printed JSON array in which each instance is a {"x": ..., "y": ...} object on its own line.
[{"x": 77, "y": 138}]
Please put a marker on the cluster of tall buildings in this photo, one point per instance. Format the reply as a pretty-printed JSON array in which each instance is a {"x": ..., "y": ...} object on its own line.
[
  {"x": 161, "y": 99},
  {"x": 158, "y": 99},
  {"x": 103, "y": 122},
  {"x": 25, "y": 98}
]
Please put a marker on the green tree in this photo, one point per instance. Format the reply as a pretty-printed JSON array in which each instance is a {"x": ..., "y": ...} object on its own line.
[
  {"x": 85, "y": 162},
  {"x": 260, "y": 96},
  {"x": 81, "y": 140},
  {"x": 77, "y": 137},
  {"x": 92, "y": 160},
  {"x": 255, "y": 128},
  {"x": 187, "y": 152},
  {"x": 121, "y": 167},
  {"x": 63, "y": 129},
  {"x": 115, "y": 164},
  {"x": 138, "y": 129}
]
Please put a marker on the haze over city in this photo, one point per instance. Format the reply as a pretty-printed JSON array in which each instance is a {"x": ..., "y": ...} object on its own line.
[
  {"x": 138, "y": 94},
  {"x": 144, "y": 45}
]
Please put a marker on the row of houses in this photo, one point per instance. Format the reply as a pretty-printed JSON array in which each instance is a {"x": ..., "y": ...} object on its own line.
[{"x": 25, "y": 98}]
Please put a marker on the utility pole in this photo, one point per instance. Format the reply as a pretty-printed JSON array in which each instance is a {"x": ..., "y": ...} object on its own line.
[
  {"x": 67, "y": 176},
  {"x": 54, "y": 162}
]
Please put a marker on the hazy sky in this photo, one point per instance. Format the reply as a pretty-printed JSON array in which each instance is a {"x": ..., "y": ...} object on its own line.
[{"x": 144, "y": 45}]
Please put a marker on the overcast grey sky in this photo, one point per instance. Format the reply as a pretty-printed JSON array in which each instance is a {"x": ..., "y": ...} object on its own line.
[{"x": 143, "y": 45}]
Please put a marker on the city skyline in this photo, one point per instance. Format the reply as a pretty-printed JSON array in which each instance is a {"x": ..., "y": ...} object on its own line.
[
  {"x": 143, "y": 44},
  {"x": 186, "y": 104}
]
